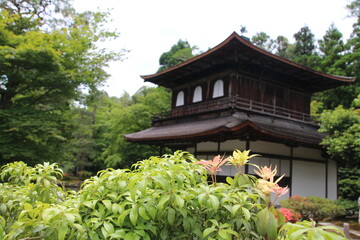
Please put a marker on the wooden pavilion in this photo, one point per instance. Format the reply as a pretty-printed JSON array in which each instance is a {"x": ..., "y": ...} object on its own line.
[{"x": 239, "y": 96}]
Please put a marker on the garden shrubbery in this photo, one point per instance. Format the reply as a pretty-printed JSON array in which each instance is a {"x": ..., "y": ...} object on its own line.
[
  {"x": 165, "y": 197},
  {"x": 313, "y": 208}
]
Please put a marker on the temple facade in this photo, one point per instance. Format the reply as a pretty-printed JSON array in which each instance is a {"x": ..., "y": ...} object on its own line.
[{"x": 239, "y": 96}]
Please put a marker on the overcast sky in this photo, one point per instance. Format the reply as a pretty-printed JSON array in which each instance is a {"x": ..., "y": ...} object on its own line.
[{"x": 150, "y": 27}]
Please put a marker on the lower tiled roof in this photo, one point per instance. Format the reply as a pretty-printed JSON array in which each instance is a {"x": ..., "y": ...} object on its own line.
[{"x": 230, "y": 127}]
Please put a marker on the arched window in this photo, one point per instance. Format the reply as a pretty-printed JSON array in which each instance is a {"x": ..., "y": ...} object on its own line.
[
  {"x": 218, "y": 89},
  {"x": 180, "y": 99},
  {"x": 197, "y": 94}
]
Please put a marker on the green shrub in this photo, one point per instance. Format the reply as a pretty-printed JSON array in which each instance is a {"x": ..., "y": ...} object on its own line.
[
  {"x": 350, "y": 207},
  {"x": 165, "y": 197},
  {"x": 349, "y": 183},
  {"x": 313, "y": 208},
  {"x": 83, "y": 174},
  {"x": 309, "y": 231}
]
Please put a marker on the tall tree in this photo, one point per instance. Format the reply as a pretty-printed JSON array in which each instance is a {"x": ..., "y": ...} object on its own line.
[
  {"x": 341, "y": 59},
  {"x": 305, "y": 48},
  {"x": 179, "y": 52},
  {"x": 334, "y": 60},
  {"x": 43, "y": 68},
  {"x": 282, "y": 47},
  {"x": 332, "y": 50},
  {"x": 133, "y": 118},
  {"x": 264, "y": 41}
]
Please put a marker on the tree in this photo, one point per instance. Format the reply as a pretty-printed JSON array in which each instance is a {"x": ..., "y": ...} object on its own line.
[
  {"x": 178, "y": 53},
  {"x": 304, "y": 52},
  {"x": 282, "y": 47},
  {"x": 334, "y": 60},
  {"x": 332, "y": 50},
  {"x": 262, "y": 40},
  {"x": 342, "y": 142},
  {"x": 135, "y": 117},
  {"x": 43, "y": 68},
  {"x": 341, "y": 59}
]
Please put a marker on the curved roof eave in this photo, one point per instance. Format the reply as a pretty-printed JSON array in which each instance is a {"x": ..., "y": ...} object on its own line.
[
  {"x": 246, "y": 43},
  {"x": 216, "y": 131}
]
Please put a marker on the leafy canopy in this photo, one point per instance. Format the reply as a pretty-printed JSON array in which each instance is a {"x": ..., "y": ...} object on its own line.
[
  {"x": 178, "y": 53},
  {"x": 48, "y": 55},
  {"x": 343, "y": 135}
]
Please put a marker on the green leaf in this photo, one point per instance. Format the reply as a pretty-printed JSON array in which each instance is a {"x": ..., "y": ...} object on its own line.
[
  {"x": 272, "y": 227},
  {"x": 122, "y": 217},
  {"x": 214, "y": 202},
  {"x": 3, "y": 208},
  {"x": 171, "y": 216},
  {"x": 164, "y": 234},
  {"x": 160, "y": 180},
  {"x": 107, "y": 204},
  {"x": 162, "y": 201},
  {"x": 142, "y": 186},
  {"x": 62, "y": 233},
  {"x": 229, "y": 180},
  {"x": 179, "y": 201},
  {"x": 334, "y": 236},
  {"x": 151, "y": 210},
  {"x": 28, "y": 207},
  {"x": 70, "y": 217},
  {"x": 134, "y": 213},
  {"x": 118, "y": 234},
  {"x": 207, "y": 231},
  {"x": 201, "y": 198},
  {"x": 39, "y": 227},
  {"x": 246, "y": 213},
  {"x": 262, "y": 221},
  {"x": 109, "y": 228},
  {"x": 223, "y": 234},
  {"x": 315, "y": 234},
  {"x": 142, "y": 213},
  {"x": 130, "y": 236}
]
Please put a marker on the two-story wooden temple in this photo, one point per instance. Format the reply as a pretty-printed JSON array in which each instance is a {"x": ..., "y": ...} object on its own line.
[{"x": 239, "y": 96}]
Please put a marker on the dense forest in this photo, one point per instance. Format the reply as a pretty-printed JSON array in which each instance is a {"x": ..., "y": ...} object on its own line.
[{"x": 52, "y": 70}]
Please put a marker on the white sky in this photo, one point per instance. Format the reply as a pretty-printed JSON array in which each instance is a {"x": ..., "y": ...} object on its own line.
[{"x": 150, "y": 27}]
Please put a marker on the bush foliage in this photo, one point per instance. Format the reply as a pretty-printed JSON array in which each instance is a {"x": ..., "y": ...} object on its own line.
[
  {"x": 165, "y": 197},
  {"x": 313, "y": 208}
]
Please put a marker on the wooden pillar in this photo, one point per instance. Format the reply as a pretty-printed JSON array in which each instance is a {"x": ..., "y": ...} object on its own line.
[
  {"x": 247, "y": 147},
  {"x": 327, "y": 178},
  {"x": 208, "y": 93},
  {"x": 195, "y": 150},
  {"x": 291, "y": 170}
]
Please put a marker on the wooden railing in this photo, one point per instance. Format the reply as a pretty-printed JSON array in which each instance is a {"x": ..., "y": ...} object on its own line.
[
  {"x": 241, "y": 103},
  {"x": 234, "y": 102}
]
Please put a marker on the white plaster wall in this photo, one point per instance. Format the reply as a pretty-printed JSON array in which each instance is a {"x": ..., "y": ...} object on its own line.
[
  {"x": 207, "y": 146},
  {"x": 308, "y": 178},
  {"x": 227, "y": 170},
  {"x": 284, "y": 168},
  {"x": 310, "y": 153},
  {"x": 268, "y": 147},
  {"x": 282, "y": 165},
  {"x": 202, "y": 157},
  {"x": 191, "y": 150},
  {"x": 260, "y": 161},
  {"x": 332, "y": 180},
  {"x": 230, "y": 145}
]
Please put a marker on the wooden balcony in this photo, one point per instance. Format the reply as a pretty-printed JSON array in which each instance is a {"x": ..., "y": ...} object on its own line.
[{"x": 235, "y": 103}]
